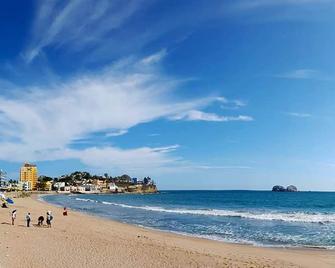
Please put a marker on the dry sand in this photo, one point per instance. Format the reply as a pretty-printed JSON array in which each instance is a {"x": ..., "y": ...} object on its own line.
[{"x": 80, "y": 240}]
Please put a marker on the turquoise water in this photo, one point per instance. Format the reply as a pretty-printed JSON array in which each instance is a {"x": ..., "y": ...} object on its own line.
[{"x": 302, "y": 219}]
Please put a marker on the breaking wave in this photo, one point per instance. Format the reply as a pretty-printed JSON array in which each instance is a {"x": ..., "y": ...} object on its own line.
[{"x": 320, "y": 218}]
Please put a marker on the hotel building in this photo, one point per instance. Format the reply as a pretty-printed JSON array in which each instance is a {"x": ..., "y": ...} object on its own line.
[{"x": 29, "y": 174}]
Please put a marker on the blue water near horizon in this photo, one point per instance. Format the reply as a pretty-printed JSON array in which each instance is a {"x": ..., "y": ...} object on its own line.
[{"x": 263, "y": 218}]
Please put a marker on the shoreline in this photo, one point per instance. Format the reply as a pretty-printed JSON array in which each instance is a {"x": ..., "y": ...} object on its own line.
[
  {"x": 39, "y": 197},
  {"x": 85, "y": 240}
]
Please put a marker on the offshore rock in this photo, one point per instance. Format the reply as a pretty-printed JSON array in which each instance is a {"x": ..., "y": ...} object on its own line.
[
  {"x": 291, "y": 188},
  {"x": 278, "y": 188}
]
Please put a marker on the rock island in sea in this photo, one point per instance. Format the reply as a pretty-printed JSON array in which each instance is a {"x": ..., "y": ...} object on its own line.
[{"x": 279, "y": 188}]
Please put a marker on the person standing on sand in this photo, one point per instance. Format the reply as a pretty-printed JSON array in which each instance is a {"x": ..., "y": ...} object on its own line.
[
  {"x": 65, "y": 212},
  {"x": 13, "y": 216},
  {"x": 49, "y": 219},
  {"x": 28, "y": 219}
]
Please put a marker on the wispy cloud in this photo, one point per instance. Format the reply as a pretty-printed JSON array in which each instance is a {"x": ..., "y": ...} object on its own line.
[
  {"x": 220, "y": 167},
  {"x": 104, "y": 29},
  {"x": 253, "y": 4},
  {"x": 195, "y": 115},
  {"x": 116, "y": 133},
  {"x": 41, "y": 123},
  {"x": 300, "y": 115},
  {"x": 154, "y": 58},
  {"x": 127, "y": 160},
  {"x": 153, "y": 134},
  {"x": 231, "y": 104},
  {"x": 303, "y": 74},
  {"x": 57, "y": 23},
  {"x": 260, "y": 11}
]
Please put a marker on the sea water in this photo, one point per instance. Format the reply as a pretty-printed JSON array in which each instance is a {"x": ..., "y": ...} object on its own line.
[{"x": 301, "y": 219}]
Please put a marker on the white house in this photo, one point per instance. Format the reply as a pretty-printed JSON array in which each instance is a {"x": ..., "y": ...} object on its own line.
[
  {"x": 112, "y": 187},
  {"x": 59, "y": 185},
  {"x": 24, "y": 186}
]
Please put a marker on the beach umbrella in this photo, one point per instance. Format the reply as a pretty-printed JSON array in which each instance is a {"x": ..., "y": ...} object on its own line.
[
  {"x": 3, "y": 198},
  {"x": 9, "y": 201}
]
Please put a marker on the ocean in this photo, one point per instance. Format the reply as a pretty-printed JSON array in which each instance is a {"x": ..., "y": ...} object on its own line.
[{"x": 262, "y": 218}]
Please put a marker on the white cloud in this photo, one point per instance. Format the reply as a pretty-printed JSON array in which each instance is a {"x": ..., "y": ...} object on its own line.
[
  {"x": 196, "y": 115},
  {"x": 153, "y": 134},
  {"x": 104, "y": 28},
  {"x": 116, "y": 133},
  {"x": 301, "y": 74},
  {"x": 301, "y": 115},
  {"x": 220, "y": 167},
  {"x": 231, "y": 104},
  {"x": 77, "y": 24},
  {"x": 157, "y": 57},
  {"x": 127, "y": 160},
  {"x": 265, "y": 11},
  {"x": 252, "y": 4},
  {"x": 41, "y": 123}
]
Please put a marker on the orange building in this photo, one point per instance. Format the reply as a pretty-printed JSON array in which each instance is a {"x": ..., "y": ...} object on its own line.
[{"x": 29, "y": 173}]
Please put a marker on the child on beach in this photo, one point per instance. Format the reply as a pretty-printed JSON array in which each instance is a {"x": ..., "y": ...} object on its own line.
[
  {"x": 13, "y": 216},
  {"x": 28, "y": 219},
  {"x": 65, "y": 212},
  {"x": 49, "y": 219}
]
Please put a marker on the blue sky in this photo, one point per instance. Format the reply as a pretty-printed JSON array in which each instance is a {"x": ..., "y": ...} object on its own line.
[{"x": 196, "y": 94}]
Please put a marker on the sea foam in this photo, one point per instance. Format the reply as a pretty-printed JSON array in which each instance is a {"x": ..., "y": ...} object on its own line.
[{"x": 320, "y": 218}]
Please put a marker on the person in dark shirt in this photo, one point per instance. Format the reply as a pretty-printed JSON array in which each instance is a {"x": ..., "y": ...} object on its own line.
[
  {"x": 49, "y": 219},
  {"x": 28, "y": 219},
  {"x": 40, "y": 220}
]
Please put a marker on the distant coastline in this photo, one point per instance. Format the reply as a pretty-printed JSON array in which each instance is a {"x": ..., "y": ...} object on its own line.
[{"x": 79, "y": 182}]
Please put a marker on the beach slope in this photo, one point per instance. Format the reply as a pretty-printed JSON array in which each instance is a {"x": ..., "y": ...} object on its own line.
[{"x": 79, "y": 240}]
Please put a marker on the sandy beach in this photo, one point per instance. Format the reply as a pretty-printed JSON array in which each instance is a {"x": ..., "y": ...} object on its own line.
[{"x": 80, "y": 240}]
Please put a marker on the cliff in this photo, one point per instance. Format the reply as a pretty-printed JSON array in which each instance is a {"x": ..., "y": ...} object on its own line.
[{"x": 141, "y": 189}]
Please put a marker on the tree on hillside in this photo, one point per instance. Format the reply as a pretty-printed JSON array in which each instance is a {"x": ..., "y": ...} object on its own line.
[
  {"x": 41, "y": 185},
  {"x": 146, "y": 180},
  {"x": 44, "y": 178},
  {"x": 124, "y": 178}
]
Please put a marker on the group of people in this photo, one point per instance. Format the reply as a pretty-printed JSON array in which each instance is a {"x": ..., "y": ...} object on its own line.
[{"x": 40, "y": 220}]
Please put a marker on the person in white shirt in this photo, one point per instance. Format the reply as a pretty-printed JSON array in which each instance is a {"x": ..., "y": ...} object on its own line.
[{"x": 13, "y": 216}]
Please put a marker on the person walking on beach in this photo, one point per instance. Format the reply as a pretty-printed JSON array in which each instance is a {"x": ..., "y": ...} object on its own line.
[
  {"x": 13, "y": 216},
  {"x": 49, "y": 219},
  {"x": 28, "y": 219}
]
